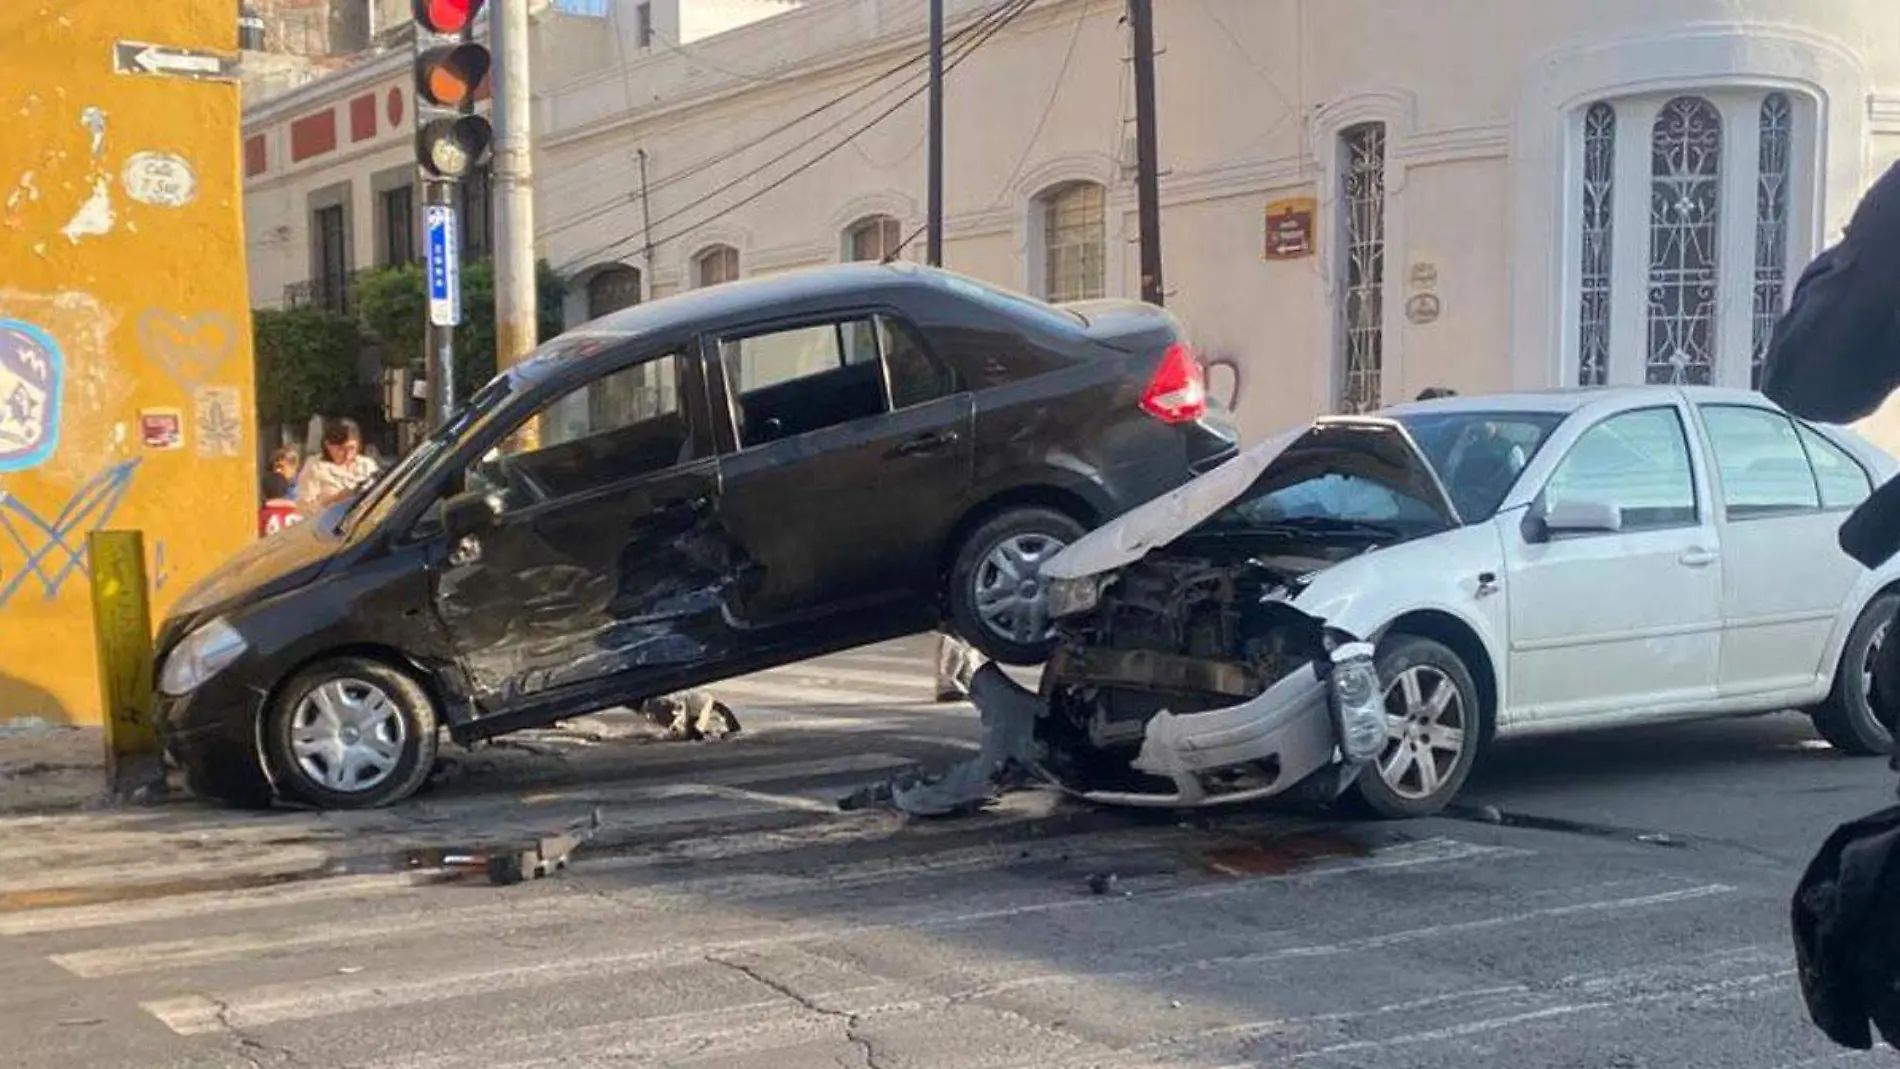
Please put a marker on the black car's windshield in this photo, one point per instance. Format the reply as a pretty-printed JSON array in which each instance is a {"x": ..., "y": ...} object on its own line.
[
  {"x": 393, "y": 484},
  {"x": 1479, "y": 455}
]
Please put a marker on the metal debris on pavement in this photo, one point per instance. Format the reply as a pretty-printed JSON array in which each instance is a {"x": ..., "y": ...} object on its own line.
[
  {"x": 691, "y": 715},
  {"x": 1004, "y": 763},
  {"x": 548, "y": 854}
]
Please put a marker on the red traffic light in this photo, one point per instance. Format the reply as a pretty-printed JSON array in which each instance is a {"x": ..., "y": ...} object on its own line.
[
  {"x": 448, "y": 76},
  {"x": 445, "y": 16}
]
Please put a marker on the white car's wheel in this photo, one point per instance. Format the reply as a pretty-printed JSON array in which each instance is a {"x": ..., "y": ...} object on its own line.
[
  {"x": 1434, "y": 728},
  {"x": 1849, "y": 719}
]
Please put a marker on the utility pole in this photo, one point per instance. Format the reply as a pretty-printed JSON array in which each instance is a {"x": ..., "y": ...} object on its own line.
[
  {"x": 516, "y": 323},
  {"x": 1147, "y": 163},
  {"x": 933, "y": 243}
]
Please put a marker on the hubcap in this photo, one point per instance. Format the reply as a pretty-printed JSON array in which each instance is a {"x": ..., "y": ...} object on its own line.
[
  {"x": 1010, "y": 596},
  {"x": 347, "y": 735},
  {"x": 1426, "y": 728},
  {"x": 1872, "y": 658}
]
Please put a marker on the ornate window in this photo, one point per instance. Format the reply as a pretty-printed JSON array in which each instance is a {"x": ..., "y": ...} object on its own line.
[
  {"x": 1683, "y": 286},
  {"x": 1599, "y": 177},
  {"x": 1771, "y": 222},
  {"x": 873, "y": 239},
  {"x": 612, "y": 288},
  {"x": 1074, "y": 242},
  {"x": 716, "y": 265},
  {"x": 1362, "y": 199}
]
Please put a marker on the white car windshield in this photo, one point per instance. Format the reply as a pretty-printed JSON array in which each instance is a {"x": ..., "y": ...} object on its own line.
[{"x": 1479, "y": 455}]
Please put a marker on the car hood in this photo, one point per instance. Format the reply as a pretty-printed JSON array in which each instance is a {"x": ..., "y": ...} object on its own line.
[
  {"x": 1332, "y": 443},
  {"x": 288, "y": 559}
]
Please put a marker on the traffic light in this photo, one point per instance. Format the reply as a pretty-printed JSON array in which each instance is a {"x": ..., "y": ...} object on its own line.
[{"x": 449, "y": 67}]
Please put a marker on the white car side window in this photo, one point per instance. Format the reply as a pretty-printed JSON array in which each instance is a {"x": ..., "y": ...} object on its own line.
[
  {"x": 1844, "y": 483},
  {"x": 1764, "y": 469},
  {"x": 1637, "y": 461}
]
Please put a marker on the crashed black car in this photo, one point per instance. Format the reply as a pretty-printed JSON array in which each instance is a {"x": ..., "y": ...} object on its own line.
[{"x": 684, "y": 491}]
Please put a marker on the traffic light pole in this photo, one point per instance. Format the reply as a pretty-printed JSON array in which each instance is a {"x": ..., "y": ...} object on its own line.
[
  {"x": 515, "y": 304},
  {"x": 439, "y": 339}
]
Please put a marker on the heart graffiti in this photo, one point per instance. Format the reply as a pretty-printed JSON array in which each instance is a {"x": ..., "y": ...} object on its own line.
[{"x": 189, "y": 350}]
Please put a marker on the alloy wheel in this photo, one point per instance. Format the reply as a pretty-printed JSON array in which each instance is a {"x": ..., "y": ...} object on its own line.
[
  {"x": 1011, "y": 598},
  {"x": 1426, "y": 732},
  {"x": 1869, "y": 660},
  {"x": 347, "y": 735}
]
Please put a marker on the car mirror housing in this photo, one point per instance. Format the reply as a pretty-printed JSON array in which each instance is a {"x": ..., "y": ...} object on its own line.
[
  {"x": 469, "y": 513},
  {"x": 1581, "y": 517}
]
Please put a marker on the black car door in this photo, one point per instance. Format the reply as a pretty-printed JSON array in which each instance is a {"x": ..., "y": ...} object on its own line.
[
  {"x": 604, "y": 559},
  {"x": 847, "y": 457}
]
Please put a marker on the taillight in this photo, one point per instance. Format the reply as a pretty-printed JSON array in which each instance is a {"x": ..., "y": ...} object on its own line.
[{"x": 1178, "y": 391}]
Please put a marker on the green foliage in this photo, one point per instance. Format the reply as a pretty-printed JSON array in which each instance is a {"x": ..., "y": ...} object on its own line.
[
  {"x": 306, "y": 363},
  {"x": 394, "y": 301}
]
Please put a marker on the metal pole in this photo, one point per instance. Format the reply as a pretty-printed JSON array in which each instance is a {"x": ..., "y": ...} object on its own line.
[
  {"x": 439, "y": 339},
  {"x": 1147, "y": 164},
  {"x": 646, "y": 229},
  {"x": 933, "y": 243},
  {"x": 516, "y": 327}
]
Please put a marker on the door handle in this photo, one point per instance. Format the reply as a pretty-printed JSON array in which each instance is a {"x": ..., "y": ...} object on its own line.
[
  {"x": 685, "y": 504},
  {"x": 926, "y": 443},
  {"x": 1697, "y": 557},
  {"x": 467, "y": 551}
]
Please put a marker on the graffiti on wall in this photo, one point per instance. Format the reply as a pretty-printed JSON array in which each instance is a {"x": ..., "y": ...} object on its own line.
[
  {"x": 32, "y": 387},
  {"x": 52, "y": 545},
  {"x": 1224, "y": 379},
  {"x": 190, "y": 350}
]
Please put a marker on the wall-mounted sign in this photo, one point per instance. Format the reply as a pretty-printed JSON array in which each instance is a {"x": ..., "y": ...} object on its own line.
[
  {"x": 1290, "y": 228},
  {"x": 1423, "y": 308},
  {"x": 1423, "y": 276},
  {"x": 161, "y": 428}
]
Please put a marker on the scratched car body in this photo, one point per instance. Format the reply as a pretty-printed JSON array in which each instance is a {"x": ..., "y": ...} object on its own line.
[
  {"x": 1520, "y": 563},
  {"x": 691, "y": 489}
]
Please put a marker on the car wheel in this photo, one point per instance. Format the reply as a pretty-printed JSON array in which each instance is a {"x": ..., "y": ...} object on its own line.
[
  {"x": 1434, "y": 730},
  {"x": 351, "y": 733},
  {"x": 997, "y": 599},
  {"x": 1849, "y": 719}
]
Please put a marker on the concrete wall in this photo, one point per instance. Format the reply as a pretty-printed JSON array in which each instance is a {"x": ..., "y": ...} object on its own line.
[{"x": 125, "y": 355}]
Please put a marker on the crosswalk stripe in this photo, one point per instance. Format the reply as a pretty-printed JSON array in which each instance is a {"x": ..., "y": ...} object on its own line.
[
  {"x": 199, "y": 904},
  {"x": 199, "y": 1014}
]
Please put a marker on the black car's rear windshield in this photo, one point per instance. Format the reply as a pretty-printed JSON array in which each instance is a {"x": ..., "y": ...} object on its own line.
[
  {"x": 1479, "y": 455},
  {"x": 1015, "y": 304}
]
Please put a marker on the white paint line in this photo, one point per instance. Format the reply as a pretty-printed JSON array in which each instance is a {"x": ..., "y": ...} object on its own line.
[
  {"x": 271, "y": 1004},
  {"x": 209, "y": 865},
  {"x": 199, "y": 904}
]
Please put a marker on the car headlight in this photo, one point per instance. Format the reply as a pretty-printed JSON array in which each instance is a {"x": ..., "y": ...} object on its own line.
[
  {"x": 1066, "y": 597},
  {"x": 203, "y": 654},
  {"x": 1358, "y": 702}
]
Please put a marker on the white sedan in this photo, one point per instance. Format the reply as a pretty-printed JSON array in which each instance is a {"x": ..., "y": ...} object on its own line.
[{"x": 1523, "y": 563}]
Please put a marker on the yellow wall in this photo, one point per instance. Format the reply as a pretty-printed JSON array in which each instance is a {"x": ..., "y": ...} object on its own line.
[{"x": 142, "y": 294}]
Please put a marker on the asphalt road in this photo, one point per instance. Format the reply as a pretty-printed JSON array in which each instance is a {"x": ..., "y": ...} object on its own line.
[{"x": 1630, "y": 910}]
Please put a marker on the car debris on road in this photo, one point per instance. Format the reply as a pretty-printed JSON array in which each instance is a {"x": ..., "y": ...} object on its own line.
[{"x": 547, "y": 855}]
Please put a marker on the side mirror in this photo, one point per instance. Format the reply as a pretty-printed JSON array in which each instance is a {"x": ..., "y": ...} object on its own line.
[
  {"x": 469, "y": 513},
  {"x": 1583, "y": 517}
]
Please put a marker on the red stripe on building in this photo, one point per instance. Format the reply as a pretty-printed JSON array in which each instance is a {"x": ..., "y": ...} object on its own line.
[
  {"x": 256, "y": 155},
  {"x": 313, "y": 135},
  {"x": 363, "y": 117}
]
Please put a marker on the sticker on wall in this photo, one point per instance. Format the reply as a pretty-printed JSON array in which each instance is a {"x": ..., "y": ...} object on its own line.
[
  {"x": 1423, "y": 308},
  {"x": 159, "y": 179},
  {"x": 32, "y": 384},
  {"x": 161, "y": 428},
  {"x": 190, "y": 350},
  {"x": 214, "y": 410},
  {"x": 1423, "y": 275}
]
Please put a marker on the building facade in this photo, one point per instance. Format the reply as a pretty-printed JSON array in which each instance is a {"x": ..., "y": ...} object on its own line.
[{"x": 1360, "y": 198}]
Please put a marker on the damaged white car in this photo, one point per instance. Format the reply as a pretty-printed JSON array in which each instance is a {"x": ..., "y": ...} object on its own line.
[{"x": 1357, "y": 607}]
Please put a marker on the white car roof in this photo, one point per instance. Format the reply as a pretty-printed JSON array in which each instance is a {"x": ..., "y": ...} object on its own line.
[{"x": 1568, "y": 400}]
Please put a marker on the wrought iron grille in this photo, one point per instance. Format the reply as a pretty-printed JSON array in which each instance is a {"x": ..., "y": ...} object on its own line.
[
  {"x": 1771, "y": 224},
  {"x": 1075, "y": 234},
  {"x": 1684, "y": 221},
  {"x": 1362, "y": 193},
  {"x": 1599, "y": 173}
]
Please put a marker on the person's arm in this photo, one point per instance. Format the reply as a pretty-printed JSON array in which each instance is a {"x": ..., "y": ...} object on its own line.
[{"x": 1835, "y": 354}]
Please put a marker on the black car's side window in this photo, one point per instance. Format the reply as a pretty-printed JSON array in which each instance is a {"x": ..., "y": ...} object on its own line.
[
  {"x": 916, "y": 375},
  {"x": 790, "y": 382},
  {"x": 623, "y": 425}
]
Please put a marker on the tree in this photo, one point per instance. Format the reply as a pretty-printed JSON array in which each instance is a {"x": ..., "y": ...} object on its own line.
[
  {"x": 306, "y": 364},
  {"x": 394, "y": 301}
]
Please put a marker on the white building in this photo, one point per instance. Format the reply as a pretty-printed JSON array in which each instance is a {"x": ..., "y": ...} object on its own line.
[{"x": 1502, "y": 193}]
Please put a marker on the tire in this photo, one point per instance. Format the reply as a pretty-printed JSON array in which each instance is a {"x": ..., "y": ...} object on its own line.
[
  {"x": 1848, "y": 719},
  {"x": 236, "y": 784},
  {"x": 369, "y": 732},
  {"x": 1432, "y": 666},
  {"x": 1025, "y": 535}
]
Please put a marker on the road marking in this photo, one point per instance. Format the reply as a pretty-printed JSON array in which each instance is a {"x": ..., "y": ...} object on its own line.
[{"x": 200, "y": 904}]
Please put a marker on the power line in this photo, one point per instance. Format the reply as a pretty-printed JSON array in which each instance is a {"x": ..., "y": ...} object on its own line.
[
  {"x": 721, "y": 157},
  {"x": 1011, "y": 10},
  {"x": 1049, "y": 106}
]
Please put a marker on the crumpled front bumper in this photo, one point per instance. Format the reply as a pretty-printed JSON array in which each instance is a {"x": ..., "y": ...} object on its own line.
[{"x": 1305, "y": 723}]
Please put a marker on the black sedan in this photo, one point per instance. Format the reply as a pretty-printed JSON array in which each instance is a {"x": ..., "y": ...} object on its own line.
[{"x": 688, "y": 490}]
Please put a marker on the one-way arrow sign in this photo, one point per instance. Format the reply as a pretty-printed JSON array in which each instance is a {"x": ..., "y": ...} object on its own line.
[{"x": 137, "y": 57}]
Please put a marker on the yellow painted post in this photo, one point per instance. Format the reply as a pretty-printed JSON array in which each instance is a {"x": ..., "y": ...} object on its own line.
[{"x": 122, "y": 627}]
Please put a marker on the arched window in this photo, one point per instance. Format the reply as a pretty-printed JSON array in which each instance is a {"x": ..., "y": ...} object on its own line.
[
  {"x": 715, "y": 265},
  {"x": 612, "y": 288},
  {"x": 1074, "y": 242},
  {"x": 872, "y": 238},
  {"x": 1684, "y": 285},
  {"x": 1362, "y": 266}
]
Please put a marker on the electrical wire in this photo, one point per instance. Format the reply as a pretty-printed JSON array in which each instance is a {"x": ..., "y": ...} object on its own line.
[
  {"x": 1049, "y": 106},
  {"x": 718, "y": 158},
  {"x": 1009, "y": 10}
]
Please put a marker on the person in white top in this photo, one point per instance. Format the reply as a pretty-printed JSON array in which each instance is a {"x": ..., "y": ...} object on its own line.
[{"x": 339, "y": 471}]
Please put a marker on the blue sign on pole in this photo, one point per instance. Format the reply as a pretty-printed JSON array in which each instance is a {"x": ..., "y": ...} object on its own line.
[{"x": 444, "y": 266}]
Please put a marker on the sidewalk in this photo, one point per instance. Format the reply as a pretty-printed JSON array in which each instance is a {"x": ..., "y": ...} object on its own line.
[{"x": 48, "y": 767}]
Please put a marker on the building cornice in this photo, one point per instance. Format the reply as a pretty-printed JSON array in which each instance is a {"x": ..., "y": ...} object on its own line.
[{"x": 327, "y": 90}]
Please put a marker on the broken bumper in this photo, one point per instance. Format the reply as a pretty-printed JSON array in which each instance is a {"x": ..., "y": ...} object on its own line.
[{"x": 1322, "y": 716}]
